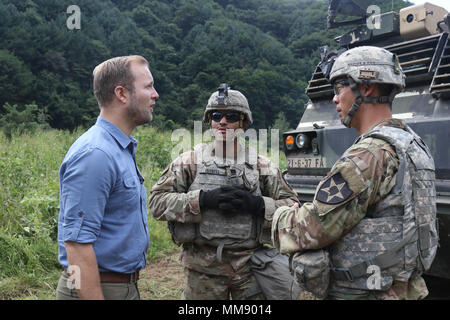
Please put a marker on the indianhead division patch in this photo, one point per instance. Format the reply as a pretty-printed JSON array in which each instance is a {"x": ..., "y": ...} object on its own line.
[{"x": 334, "y": 190}]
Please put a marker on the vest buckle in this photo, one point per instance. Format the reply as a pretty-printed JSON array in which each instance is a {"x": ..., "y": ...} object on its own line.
[{"x": 342, "y": 274}]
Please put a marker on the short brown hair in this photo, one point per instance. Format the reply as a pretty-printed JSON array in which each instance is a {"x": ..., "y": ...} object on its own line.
[
  {"x": 112, "y": 73},
  {"x": 385, "y": 89}
]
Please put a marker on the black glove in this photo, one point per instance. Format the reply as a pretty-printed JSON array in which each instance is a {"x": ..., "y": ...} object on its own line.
[
  {"x": 210, "y": 199},
  {"x": 238, "y": 199}
]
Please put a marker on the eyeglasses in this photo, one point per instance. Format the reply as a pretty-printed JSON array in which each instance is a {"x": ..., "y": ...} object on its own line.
[
  {"x": 340, "y": 84},
  {"x": 230, "y": 116}
]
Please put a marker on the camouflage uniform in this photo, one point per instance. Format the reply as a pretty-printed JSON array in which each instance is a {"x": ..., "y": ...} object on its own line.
[
  {"x": 376, "y": 206},
  {"x": 364, "y": 175},
  {"x": 213, "y": 272}
]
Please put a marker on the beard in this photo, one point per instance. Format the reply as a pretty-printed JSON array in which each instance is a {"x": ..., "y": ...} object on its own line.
[{"x": 138, "y": 113}]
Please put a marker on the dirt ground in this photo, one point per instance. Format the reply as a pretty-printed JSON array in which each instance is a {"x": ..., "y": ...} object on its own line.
[{"x": 164, "y": 280}]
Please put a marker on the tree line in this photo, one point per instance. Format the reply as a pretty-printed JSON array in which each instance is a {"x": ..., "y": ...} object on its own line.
[{"x": 267, "y": 49}]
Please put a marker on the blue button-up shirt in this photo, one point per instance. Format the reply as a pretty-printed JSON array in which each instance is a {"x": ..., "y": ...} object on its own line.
[{"x": 103, "y": 199}]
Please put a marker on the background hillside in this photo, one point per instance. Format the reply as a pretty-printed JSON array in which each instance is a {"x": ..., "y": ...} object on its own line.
[{"x": 265, "y": 48}]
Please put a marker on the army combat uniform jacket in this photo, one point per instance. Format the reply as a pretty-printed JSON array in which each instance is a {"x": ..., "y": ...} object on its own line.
[
  {"x": 359, "y": 209},
  {"x": 175, "y": 198}
]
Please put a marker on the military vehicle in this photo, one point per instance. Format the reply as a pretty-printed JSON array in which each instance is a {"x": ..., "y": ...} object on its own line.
[{"x": 419, "y": 35}]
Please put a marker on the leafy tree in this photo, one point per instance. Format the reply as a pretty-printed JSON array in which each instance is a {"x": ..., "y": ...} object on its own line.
[
  {"x": 267, "y": 49},
  {"x": 16, "y": 80},
  {"x": 282, "y": 125}
]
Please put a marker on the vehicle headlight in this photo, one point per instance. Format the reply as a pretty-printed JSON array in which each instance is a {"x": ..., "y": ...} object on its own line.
[
  {"x": 302, "y": 141},
  {"x": 289, "y": 142}
]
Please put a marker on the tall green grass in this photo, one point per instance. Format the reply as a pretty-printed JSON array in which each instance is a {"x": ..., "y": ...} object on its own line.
[
  {"x": 28, "y": 211},
  {"x": 29, "y": 206}
]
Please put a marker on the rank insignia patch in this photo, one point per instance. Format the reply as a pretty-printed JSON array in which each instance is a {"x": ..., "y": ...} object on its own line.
[{"x": 334, "y": 190}]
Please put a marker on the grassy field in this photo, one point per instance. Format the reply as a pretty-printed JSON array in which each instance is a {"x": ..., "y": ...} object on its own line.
[{"x": 29, "y": 206}]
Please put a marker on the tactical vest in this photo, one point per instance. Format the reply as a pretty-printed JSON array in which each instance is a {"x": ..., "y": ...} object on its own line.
[
  {"x": 217, "y": 228},
  {"x": 399, "y": 234}
]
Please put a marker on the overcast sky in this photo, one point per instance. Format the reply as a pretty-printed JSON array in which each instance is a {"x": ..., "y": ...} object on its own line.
[{"x": 442, "y": 3}]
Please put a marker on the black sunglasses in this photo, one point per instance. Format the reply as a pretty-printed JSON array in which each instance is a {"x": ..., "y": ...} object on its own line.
[
  {"x": 230, "y": 116},
  {"x": 342, "y": 83}
]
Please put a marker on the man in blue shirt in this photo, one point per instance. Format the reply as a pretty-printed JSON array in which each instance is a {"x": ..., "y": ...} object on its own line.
[{"x": 102, "y": 229}]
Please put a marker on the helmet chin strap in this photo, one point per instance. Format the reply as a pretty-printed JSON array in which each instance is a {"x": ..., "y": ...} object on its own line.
[{"x": 359, "y": 100}]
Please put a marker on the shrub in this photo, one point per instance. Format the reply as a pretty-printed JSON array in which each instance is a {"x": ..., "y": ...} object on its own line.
[{"x": 20, "y": 121}]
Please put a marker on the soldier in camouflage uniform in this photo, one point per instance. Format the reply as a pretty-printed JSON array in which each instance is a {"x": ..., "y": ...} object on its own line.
[
  {"x": 377, "y": 205},
  {"x": 219, "y": 202}
]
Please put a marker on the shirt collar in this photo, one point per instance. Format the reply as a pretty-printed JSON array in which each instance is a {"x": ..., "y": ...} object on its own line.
[{"x": 123, "y": 140}]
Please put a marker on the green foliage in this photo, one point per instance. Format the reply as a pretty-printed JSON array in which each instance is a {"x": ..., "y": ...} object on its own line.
[
  {"x": 29, "y": 208},
  {"x": 14, "y": 75},
  {"x": 282, "y": 125},
  {"x": 154, "y": 147},
  {"x": 264, "y": 48},
  {"x": 28, "y": 120},
  {"x": 19, "y": 255}
]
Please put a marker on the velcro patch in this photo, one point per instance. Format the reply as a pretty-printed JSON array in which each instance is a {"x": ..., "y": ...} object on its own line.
[
  {"x": 367, "y": 74},
  {"x": 334, "y": 190}
]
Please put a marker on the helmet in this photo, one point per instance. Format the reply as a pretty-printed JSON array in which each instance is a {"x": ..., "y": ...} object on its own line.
[
  {"x": 366, "y": 65},
  {"x": 228, "y": 99},
  {"x": 369, "y": 65}
]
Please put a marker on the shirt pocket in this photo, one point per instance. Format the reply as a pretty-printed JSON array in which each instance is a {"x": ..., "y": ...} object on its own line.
[
  {"x": 125, "y": 202},
  {"x": 125, "y": 197},
  {"x": 130, "y": 189}
]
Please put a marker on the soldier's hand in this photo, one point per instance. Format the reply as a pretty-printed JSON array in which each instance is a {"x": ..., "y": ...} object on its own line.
[
  {"x": 238, "y": 199},
  {"x": 210, "y": 199}
]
